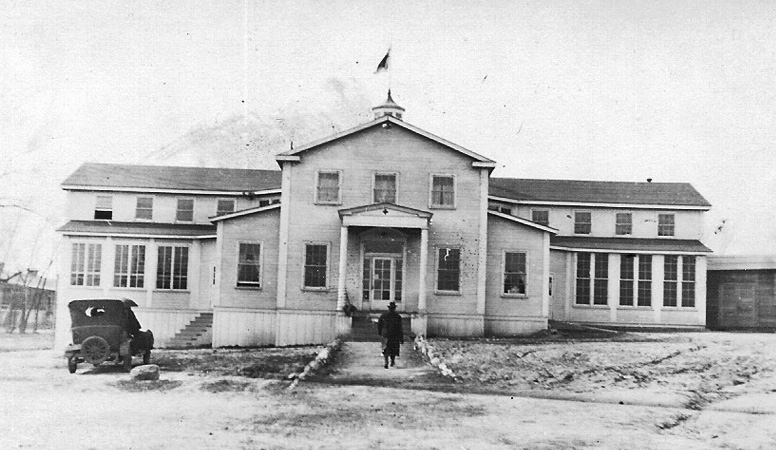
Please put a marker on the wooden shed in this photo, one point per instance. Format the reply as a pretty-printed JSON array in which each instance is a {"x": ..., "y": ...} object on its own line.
[{"x": 741, "y": 292}]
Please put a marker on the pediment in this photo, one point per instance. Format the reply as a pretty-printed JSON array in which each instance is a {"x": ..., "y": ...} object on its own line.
[{"x": 385, "y": 215}]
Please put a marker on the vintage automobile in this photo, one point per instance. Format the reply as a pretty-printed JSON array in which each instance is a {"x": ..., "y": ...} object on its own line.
[{"x": 106, "y": 330}]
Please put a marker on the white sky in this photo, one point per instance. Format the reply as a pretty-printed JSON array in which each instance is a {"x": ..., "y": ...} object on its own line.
[{"x": 605, "y": 90}]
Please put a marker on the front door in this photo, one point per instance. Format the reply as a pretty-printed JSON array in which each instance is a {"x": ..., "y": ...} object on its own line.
[{"x": 382, "y": 280}]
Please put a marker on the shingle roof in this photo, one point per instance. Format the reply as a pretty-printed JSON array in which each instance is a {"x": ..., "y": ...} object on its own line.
[
  {"x": 109, "y": 227},
  {"x": 172, "y": 177},
  {"x": 577, "y": 191},
  {"x": 627, "y": 245}
]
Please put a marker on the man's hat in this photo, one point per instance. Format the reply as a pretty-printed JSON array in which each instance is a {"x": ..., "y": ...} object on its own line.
[{"x": 392, "y": 305}]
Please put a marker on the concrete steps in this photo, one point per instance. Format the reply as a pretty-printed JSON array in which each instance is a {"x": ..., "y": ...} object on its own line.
[
  {"x": 198, "y": 332},
  {"x": 364, "y": 327}
]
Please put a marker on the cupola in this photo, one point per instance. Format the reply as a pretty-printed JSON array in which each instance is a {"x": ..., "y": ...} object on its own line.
[{"x": 389, "y": 108}]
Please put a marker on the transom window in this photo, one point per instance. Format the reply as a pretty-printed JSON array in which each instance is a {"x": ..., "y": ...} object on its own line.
[
  {"x": 583, "y": 222},
  {"x": 515, "y": 273},
  {"x": 185, "y": 210},
  {"x": 384, "y": 188},
  {"x": 623, "y": 224},
  {"x": 129, "y": 266},
  {"x": 665, "y": 225},
  {"x": 172, "y": 268},
  {"x": 442, "y": 191},
  {"x": 316, "y": 265},
  {"x": 103, "y": 208},
  {"x": 145, "y": 208},
  {"x": 225, "y": 206},
  {"x": 449, "y": 269},
  {"x": 541, "y": 216},
  {"x": 249, "y": 265},
  {"x": 85, "y": 264},
  {"x": 328, "y": 188}
]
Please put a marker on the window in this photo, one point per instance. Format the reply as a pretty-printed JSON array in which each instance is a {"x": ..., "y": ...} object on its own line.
[
  {"x": 514, "y": 273},
  {"x": 328, "y": 188},
  {"x": 448, "y": 269},
  {"x": 665, "y": 224},
  {"x": 442, "y": 191},
  {"x": 85, "y": 265},
  {"x": 249, "y": 265},
  {"x": 316, "y": 259},
  {"x": 185, "y": 211},
  {"x": 645, "y": 280},
  {"x": 103, "y": 208},
  {"x": 601, "y": 284},
  {"x": 384, "y": 188},
  {"x": 225, "y": 206},
  {"x": 583, "y": 222},
  {"x": 541, "y": 216},
  {"x": 623, "y": 224},
  {"x": 129, "y": 266},
  {"x": 688, "y": 281},
  {"x": 583, "y": 278},
  {"x": 145, "y": 208},
  {"x": 626, "y": 279},
  {"x": 670, "y": 264},
  {"x": 172, "y": 268}
]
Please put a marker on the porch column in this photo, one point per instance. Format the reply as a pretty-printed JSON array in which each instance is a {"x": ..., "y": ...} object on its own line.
[
  {"x": 343, "y": 267},
  {"x": 420, "y": 323}
]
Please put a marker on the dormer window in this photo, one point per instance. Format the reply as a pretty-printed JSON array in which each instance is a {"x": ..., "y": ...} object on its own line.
[
  {"x": 185, "y": 211},
  {"x": 103, "y": 208},
  {"x": 384, "y": 188}
]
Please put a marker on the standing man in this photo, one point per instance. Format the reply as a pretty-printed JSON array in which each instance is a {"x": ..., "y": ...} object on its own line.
[{"x": 389, "y": 327}]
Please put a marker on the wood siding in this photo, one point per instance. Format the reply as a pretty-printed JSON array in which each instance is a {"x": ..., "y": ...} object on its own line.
[
  {"x": 741, "y": 299},
  {"x": 243, "y": 327}
]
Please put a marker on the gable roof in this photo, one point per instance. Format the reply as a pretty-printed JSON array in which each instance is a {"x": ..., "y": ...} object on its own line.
[
  {"x": 384, "y": 207},
  {"x": 294, "y": 155},
  {"x": 171, "y": 178},
  {"x": 576, "y": 192}
]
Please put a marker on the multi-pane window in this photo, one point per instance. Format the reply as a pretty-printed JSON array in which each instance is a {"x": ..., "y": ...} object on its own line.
[
  {"x": 103, "y": 207},
  {"x": 449, "y": 269},
  {"x": 249, "y": 265},
  {"x": 316, "y": 258},
  {"x": 145, "y": 208},
  {"x": 172, "y": 268},
  {"x": 665, "y": 224},
  {"x": 185, "y": 211},
  {"x": 584, "y": 261},
  {"x": 670, "y": 274},
  {"x": 623, "y": 224},
  {"x": 85, "y": 264},
  {"x": 688, "y": 281},
  {"x": 225, "y": 206},
  {"x": 384, "y": 188},
  {"x": 515, "y": 273},
  {"x": 626, "y": 279},
  {"x": 328, "y": 188},
  {"x": 129, "y": 266},
  {"x": 601, "y": 281},
  {"x": 442, "y": 191},
  {"x": 645, "y": 280},
  {"x": 583, "y": 222},
  {"x": 541, "y": 216}
]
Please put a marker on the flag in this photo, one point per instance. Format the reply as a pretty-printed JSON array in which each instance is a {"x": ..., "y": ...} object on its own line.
[{"x": 384, "y": 62}]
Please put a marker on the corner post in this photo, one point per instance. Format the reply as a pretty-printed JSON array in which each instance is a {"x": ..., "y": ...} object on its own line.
[{"x": 420, "y": 325}]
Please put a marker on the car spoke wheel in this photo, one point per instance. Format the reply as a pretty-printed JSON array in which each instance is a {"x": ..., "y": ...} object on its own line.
[
  {"x": 72, "y": 364},
  {"x": 95, "y": 350}
]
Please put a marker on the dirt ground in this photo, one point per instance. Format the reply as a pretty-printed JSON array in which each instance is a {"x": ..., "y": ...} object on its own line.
[{"x": 664, "y": 391}]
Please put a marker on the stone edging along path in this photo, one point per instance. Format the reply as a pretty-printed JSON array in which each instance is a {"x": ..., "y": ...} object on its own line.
[
  {"x": 427, "y": 351},
  {"x": 322, "y": 359}
]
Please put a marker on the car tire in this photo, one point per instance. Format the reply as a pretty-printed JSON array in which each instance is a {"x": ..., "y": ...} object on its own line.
[
  {"x": 95, "y": 350},
  {"x": 72, "y": 364}
]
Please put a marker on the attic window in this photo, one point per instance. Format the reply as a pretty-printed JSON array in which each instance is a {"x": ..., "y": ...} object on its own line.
[{"x": 103, "y": 209}]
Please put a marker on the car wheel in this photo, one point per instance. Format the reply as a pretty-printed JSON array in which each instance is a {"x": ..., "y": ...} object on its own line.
[
  {"x": 95, "y": 350},
  {"x": 147, "y": 357},
  {"x": 72, "y": 364}
]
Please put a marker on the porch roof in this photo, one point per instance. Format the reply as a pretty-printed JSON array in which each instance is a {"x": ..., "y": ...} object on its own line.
[
  {"x": 385, "y": 215},
  {"x": 137, "y": 229},
  {"x": 628, "y": 245}
]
